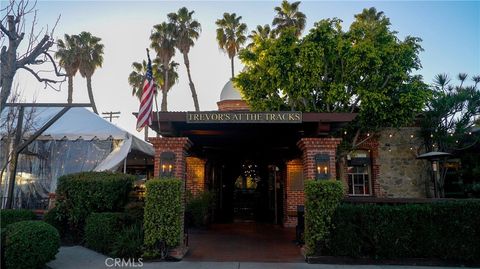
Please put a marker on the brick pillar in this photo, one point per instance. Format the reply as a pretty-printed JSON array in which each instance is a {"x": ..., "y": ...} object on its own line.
[
  {"x": 195, "y": 175},
  {"x": 179, "y": 146},
  {"x": 312, "y": 146},
  {"x": 294, "y": 195}
]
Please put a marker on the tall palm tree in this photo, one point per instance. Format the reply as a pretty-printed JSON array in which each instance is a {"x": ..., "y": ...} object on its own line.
[
  {"x": 90, "y": 57},
  {"x": 231, "y": 35},
  {"x": 67, "y": 54},
  {"x": 259, "y": 34},
  {"x": 288, "y": 15},
  {"x": 187, "y": 30},
  {"x": 167, "y": 78},
  {"x": 163, "y": 42}
]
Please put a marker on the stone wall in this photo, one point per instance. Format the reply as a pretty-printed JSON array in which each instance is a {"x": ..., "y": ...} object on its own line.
[{"x": 401, "y": 175}]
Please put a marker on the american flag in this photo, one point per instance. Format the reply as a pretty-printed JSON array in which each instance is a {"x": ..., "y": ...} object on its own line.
[{"x": 144, "y": 117}]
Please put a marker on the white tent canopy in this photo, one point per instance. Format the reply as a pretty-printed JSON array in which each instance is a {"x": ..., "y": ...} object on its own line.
[
  {"x": 81, "y": 123},
  {"x": 78, "y": 141}
]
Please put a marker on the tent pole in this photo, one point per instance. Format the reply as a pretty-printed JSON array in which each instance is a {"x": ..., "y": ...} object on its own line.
[{"x": 125, "y": 165}]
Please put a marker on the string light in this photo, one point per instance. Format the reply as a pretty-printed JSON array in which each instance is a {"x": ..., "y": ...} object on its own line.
[{"x": 390, "y": 135}]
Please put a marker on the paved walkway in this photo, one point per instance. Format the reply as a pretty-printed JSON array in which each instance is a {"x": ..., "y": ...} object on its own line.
[
  {"x": 78, "y": 257},
  {"x": 244, "y": 242}
]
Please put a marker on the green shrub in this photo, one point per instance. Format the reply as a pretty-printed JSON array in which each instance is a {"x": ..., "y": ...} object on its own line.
[
  {"x": 30, "y": 244},
  {"x": 9, "y": 216},
  {"x": 444, "y": 230},
  {"x": 321, "y": 199},
  {"x": 80, "y": 194},
  {"x": 163, "y": 213},
  {"x": 53, "y": 218},
  {"x": 101, "y": 230},
  {"x": 128, "y": 243},
  {"x": 135, "y": 210},
  {"x": 198, "y": 207}
]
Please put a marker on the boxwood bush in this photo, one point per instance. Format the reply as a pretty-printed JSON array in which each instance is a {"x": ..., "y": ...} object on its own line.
[
  {"x": 163, "y": 213},
  {"x": 443, "y": 230},
  {"x": 321, "y": 199},
  {"x": 80, "y": 194},
  {"x": 30, "y": 244},
  {"x": 9, "y": 216},
  {"x": 101, "y": 230}
]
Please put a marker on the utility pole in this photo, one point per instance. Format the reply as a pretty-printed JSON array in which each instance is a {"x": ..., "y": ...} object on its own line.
[{"x": 111, "y": 115}]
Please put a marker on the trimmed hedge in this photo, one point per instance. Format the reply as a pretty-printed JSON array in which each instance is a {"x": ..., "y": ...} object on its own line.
[
  {"x": 30, "y": 244},
  {"x": 198, "y": 207},
  {"x": 321, "y": 199},
  {"x": 80, "y": 194},
  {"x": 163, "y": 213},
  {"x": 9, "y": 216},
  {"x": 101, "y": 230},
  {"x": 443, "y": 230}
]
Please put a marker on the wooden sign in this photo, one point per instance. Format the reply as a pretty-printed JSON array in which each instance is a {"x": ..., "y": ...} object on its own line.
[{"x": 244, "y": 117}]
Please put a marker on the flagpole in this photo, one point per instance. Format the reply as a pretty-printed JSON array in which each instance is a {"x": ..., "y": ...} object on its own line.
[{"x": 156, "y": 94}]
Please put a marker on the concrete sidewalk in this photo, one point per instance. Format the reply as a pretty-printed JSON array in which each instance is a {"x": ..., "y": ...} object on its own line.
[{"x": 78, "y": 257}]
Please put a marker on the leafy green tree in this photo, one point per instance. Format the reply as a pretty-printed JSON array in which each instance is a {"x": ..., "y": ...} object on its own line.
[
  {"x": 288, "y": 15},
  {"x": 451, "y": 114},
  {"x": 231, "y": 35},
  {"x": 449, "y": 118},
  {"x": 187, "y": 31},
  {"x": 163, "y": 42},
  {"x": 67, "y": 54},
  {"x": 366, "y": 70},
  {"x": 90, "y": 53}
]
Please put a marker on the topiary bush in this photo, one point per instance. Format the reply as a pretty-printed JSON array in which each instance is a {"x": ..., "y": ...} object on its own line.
[
  {"x": 30, "y": 244},
  {"x": 9, "y": 216},
  {"x": 80, "y": 194},
  {"x": 321, "y": 199},
  {"x": 163, "y": 214},
  {"x": 101, "y": 230},
  {"x": 443, "y": 230}
]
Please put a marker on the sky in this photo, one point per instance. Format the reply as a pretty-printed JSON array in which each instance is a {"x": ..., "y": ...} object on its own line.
[{"x": 450, "y": 31}]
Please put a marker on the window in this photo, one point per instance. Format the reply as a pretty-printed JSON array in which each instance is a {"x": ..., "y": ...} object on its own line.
[{"x": 359, "y": 182}]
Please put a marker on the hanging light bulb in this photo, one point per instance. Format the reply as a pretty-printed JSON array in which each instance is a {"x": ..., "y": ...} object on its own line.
[{"x": 390, "y": 135}]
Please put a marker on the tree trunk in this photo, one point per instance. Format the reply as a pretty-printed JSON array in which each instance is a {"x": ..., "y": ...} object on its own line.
[
  {"x": 165, "y": 89},
  {"x": 70, "y": 89},
  {"x": 192, "y": 86},
  {"x": 90, "y": 94},
  {"x": 233, "y": 71}
]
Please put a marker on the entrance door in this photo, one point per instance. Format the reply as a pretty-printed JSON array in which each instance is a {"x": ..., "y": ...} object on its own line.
[{"x": 248, "y": 191}]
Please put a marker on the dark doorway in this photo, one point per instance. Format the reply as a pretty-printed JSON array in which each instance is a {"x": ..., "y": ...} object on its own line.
[{"x": 247, "y": 190}]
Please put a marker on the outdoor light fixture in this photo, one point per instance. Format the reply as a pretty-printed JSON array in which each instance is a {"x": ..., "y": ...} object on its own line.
[
  {"x": 167, "y": 164},
  {"x": 322, "y": 163}
]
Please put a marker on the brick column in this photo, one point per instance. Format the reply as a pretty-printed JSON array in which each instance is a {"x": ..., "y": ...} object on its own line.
[
  {"x": 195, "y": 175},
  {"x": 179, "y": 146},
  {"x": 312, "y": 146}
]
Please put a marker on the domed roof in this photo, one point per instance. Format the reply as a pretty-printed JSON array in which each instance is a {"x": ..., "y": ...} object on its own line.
[{"x": 229, "y": 92}]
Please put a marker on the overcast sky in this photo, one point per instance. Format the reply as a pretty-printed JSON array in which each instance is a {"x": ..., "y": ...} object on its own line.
[{"x": 450, "y": 33}]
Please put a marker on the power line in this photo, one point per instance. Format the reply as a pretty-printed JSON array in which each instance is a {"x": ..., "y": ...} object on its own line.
[{"x": 111, "y": 115}]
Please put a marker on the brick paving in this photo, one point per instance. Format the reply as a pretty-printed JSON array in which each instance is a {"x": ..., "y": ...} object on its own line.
[{"x": 253, "y": 242}]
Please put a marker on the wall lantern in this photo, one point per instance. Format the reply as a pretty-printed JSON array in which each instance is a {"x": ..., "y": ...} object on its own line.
[
  {"x": 322, "y": 166},
  {"x": 167, "y": 164}
]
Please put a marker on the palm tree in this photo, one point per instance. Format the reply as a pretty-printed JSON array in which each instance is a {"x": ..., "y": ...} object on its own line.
[
  {"x": 187, "y": 30},
  {"x": 231, "y": 35},
  {"x": 169, "y": 76},
  {"x": 90, "y": 57},
  {"x": 288, "y": 15},
  {"x": 163, "y": 42},
  {"x": 260, "y": 34},
  {"x": 67, "y": 54}
]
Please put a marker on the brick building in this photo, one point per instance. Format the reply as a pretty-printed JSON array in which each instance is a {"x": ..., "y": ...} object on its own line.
[{"x": 255, "y": 163}]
